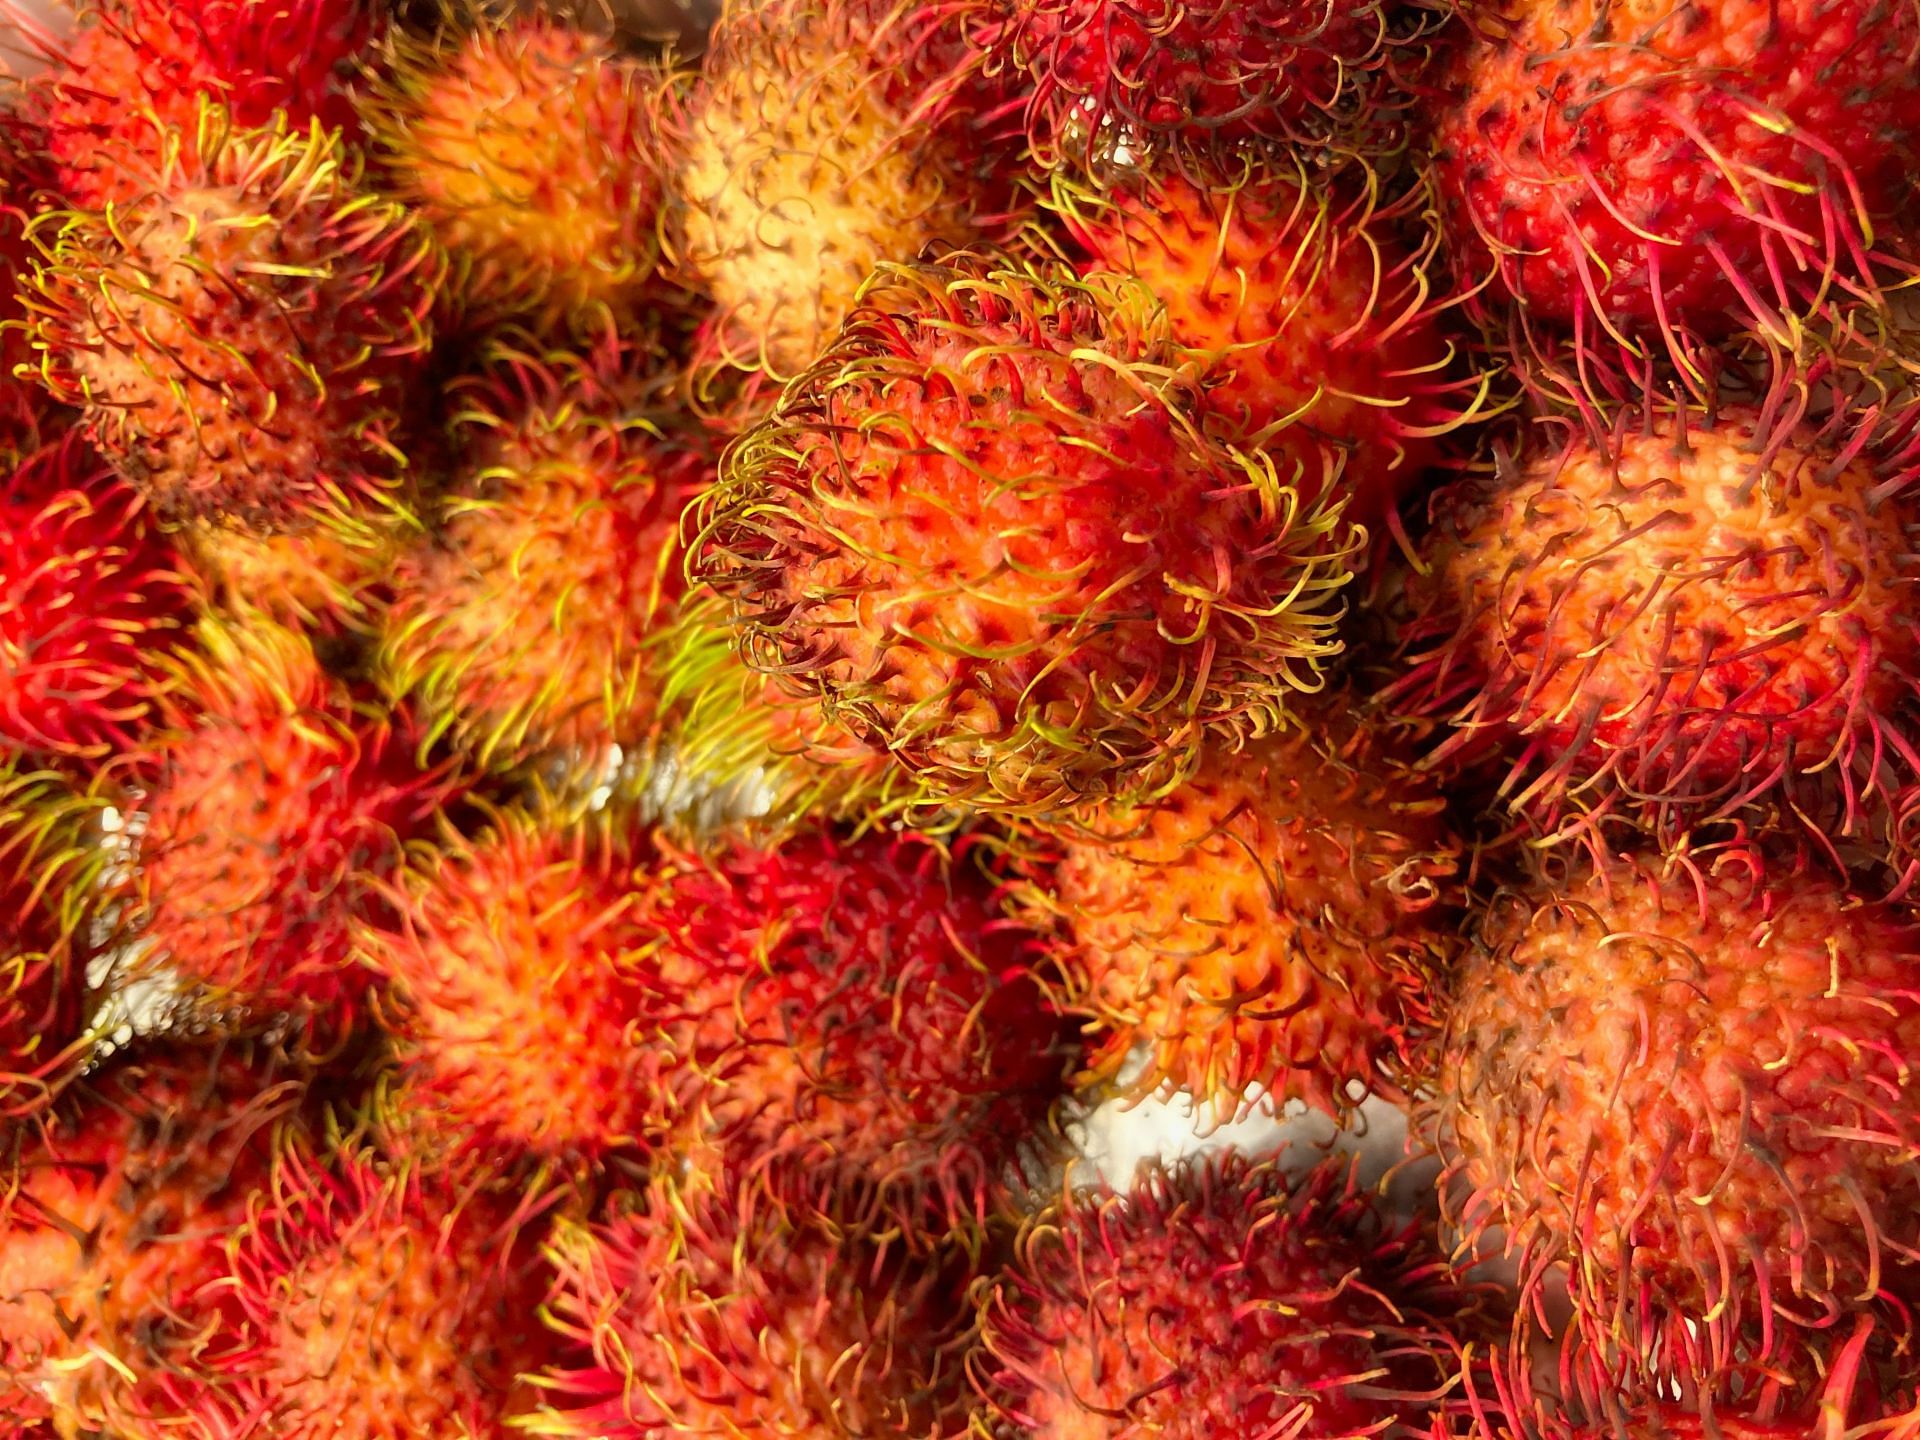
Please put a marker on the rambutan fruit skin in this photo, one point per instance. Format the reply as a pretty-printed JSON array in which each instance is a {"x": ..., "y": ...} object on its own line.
[
  {"x": 1646, "y": 178},
  {"x": 529, "y": 622},
  {"x": 366, "y": 1302},
  {"x": 241, "y": 334},
  {"x": 1283, "y": 919},
  {"x": 1218, "y": 1298},
  {"x": 1186, "y": 77},
  {"x": 92, "y": 599},
  {"x": 1293, "y": 289},
  {"x": 507, "y": 952},
  {"x": 715, "y": 1313},
  {"x": 267, "y": 813},
  {"x": 134, "y": 74},
  {"x": 1676, "y": 621},
  {"x": 49, "y": 865},
  {"x": 116, "y": 1214},
  {"x": 987, "y": 533},
  {"x": 1687, "y": 1087},
  {"x": 312, "y": 580},
  {"x": 527, "y": 146},
  {"x": 862, "y": 1032},
  {"x": 796, "y": 171}
]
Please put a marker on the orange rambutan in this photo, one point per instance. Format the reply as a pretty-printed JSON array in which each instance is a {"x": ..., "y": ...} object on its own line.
[
  {"x": 1686, "y": 1089},
  {"x": 1282, "y": 920},
  {"x": 527, "y": 146},
  {"x": 1640, "y": 182},
  {"x": 988, "y": 533},
  {"x": 262, "y": 820},
  {"x": 1672, "y": 621},
  {"x": 312, "y": 580},
  {"x": 798, "y": 167},
  {"x": 130, "y": 80},
  {"x": 1312, "y": 314},
  {"x": 862, "y": 1031},
  {"x": 1219, "y": 1298},
  {"x": 528, "y": 622},
  {"x": 114, "y": 1218},
  {"x": 715, "y": 1313},
  {"x": 241, "y": 332},
  {"x": 92, "y": 600},
  {"x": 364, "y": 1302}
]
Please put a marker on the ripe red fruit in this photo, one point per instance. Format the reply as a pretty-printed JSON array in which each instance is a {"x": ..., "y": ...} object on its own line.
[
  {"x": 1280, "y": 920},
  {"x": 114, "y": 1217},
  {"x": 271, "y": 808},
  {"x": 528, "y": 622},
  {"x": 1646, "y": 176},
  {"x": 1190, "y": 77},
  {"x": 1687, "y": 1089},
  {"x": 1672, "y": 623},
  {"x": 242, "y": 333},
  {"x": 717, "y": 1313},
  {"x": 1218, "y": 1299},
  {"x": 987, "y": 533},
  {"x": 527, "y": 146},
  {"x": 1311, "y": 313},
  {"x": 362, "y": 1302},
  {"x": 136, "y": 72},
  {"x": 861, "y": 1031},
  {"x": 91, "y": 602}
]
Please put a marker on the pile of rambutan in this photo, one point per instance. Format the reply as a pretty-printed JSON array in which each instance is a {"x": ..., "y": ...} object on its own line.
[{"x": 959, "y": 719}]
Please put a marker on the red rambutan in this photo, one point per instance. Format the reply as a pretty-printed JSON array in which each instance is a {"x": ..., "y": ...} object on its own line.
[
  {"x": 1218, "y": 1299},
  {"x": 1314, "y": 316},
  {"x": 527, "y": 146},
  {"x": 1655, "y": 175},
  {"x": 1672, "y": 623},
  {"x": 130, "y": 82},
  {"x": 1281, "y": 920},
  {"x": 714, "y": 1313},
  {"x": 241, "y": 333},
  {"x": 988, "y": 533},
  {"x": 91, "y": 600},
  {"x": 264, "y": 817},
  {"x": 1688, "y": 1090},
  {"x": 528, "y": 622}
]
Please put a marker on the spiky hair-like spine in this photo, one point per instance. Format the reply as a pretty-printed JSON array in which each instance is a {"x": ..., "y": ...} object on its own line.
[
  {"x": 92, "y": 599},
  {"x": 714, "y": 1312},
  {"x": 987, "y": 533},
  {"x": 527, "y": 145},
  {"x": 1220, "y": 1297},
  {"x": 241, "y": 334},
  {"x": 1687, "y": 1088}
]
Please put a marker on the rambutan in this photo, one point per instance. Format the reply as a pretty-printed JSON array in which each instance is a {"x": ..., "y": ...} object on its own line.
[
  {"x": 1312, "y": 313},
  {"x": 528, "y": 622},
  {"x": 114, "y": 1217},
  {"x": 527, "y": 146},
  {"x": 1281, "y": 920},
  {"x": 526, "y": 999},
  {"x": 1154, "y": 74},
  {"x": 988, "y": 533},
  {"x": 240, "y": 334},
  {"x": 1650, "y": 178},
  {"x": 311, "y": 580},
  {"x": 264, "y": 817},
  {"x": 129, "y": 83},
  {"x": 861, "y": 1030},
  {"x": 49, "y": 863},
  {"x": 1218, "y": 1298},
  {"x": 363, "y": 1302},
  {"x": 1687, "y": 1089},
  {"x": 796, "y": 171},
  {"x": 1672, "y": 622},
  {"x": 714, "y": 1313},
  {"x": 91, "y": 602}
]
